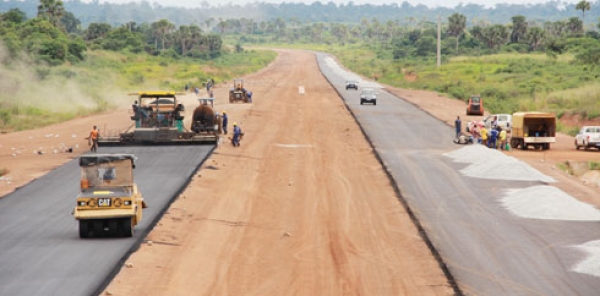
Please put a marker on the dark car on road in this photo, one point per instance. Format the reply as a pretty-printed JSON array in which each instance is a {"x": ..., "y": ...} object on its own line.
[{"x": 352, "y": 84}]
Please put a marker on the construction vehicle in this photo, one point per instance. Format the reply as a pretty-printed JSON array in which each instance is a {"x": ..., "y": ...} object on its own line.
[
  {"x": 205, "y": 121},
  {"x": 158, "y": 119},
  {"x": 110, "y": 204},
  {"x": 239, "y": 93},
  {"x": 475, "y": 105},
  {"x": 537, "y": 129}
]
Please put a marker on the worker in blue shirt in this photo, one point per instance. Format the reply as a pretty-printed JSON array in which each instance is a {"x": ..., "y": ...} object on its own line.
[
  {"x": 457, "y": 126},
  {"x": 493, "y": 137},
  {"x": 224, "y": 121},
  {"x": 237, "y": 133}
]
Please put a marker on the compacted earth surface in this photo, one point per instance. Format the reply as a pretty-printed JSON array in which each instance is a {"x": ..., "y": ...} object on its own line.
[{"x": 301, "y": 207}]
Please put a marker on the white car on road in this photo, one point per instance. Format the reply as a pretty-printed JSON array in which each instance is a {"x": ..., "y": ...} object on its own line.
[
  {"x": 368, "y": 95},
  {"x": 588, "y": 136}
]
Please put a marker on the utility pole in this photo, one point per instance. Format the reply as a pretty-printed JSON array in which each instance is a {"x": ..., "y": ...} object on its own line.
[{"x": 439, "y": 41}]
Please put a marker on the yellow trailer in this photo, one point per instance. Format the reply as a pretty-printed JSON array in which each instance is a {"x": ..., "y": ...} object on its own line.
[{"x": 533, "y": 129}]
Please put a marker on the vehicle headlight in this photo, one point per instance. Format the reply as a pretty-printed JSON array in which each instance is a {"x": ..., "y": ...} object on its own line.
[
  {"x": 81, "y": 203},
  {"x": 127, "y": 202}
]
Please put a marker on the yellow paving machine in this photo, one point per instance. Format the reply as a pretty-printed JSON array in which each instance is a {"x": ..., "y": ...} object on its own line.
[{"x": 158, "y": 119}]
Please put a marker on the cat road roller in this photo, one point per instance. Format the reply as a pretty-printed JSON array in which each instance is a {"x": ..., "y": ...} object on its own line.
[{"x": 110, "y": 204}]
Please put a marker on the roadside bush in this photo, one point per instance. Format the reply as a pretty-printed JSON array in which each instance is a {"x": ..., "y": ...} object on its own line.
[{"x": 594, "y": 165}]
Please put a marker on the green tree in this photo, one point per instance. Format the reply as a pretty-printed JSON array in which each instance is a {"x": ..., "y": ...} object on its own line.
[
  {"x": 122, "y": 38},
  {"x": 590, "y": 55},
  {"x": 96, "y": 30},
  {"x": 456, "y": 26},
  {"x": 51, "y": 10},
  {"x": 425, "y": 46},
  {"x": 70, "y": 22},
  {"x": 14, "y": 15},
  {"x": 13, "y": 43},
  {"x": 494, "y": 36},
  {"x": 519, "y": 28},
  {"x": 183, "y": 36},
  {"x": 162, "y": 28},
  {"x": 535, "y": 37},
  {"x": 583, "y": 5},
  {"x": 574, "y": 26}
]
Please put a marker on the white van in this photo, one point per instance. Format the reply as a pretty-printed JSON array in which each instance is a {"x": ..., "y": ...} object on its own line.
[{"x": 502, "y": 120}]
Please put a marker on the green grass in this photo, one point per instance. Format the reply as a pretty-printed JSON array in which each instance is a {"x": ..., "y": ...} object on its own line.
[
  {"x": 565, "y": 167},
  {"x": 42, "y": 96}
]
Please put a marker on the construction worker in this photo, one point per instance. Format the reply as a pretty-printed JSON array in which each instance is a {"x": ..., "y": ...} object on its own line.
[
  {"x": 93, "y": 139},
  {"x": 457, "y": 126},
  {"x": 502, "y": 138},
  {"x": 484, "y": 135},
  {"x": 493, "y": 137},
  {"x": 225, "y": 119},
  {"x": 237, "y": 133},
  {"x": 178, "y": 118}
]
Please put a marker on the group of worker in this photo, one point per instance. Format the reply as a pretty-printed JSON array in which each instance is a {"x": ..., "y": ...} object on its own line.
[
  {"x": 237, "y": 131},
  {"x": 495, "y": 138},
  {"x": 210, "y": 84}
]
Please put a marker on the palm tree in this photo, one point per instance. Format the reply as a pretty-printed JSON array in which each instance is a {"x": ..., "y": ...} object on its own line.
[
  {"x": 51, "y": 10},
  {"x": 535, "y": 37},
  {"x": 160, "y": 30},
  {"x": 456, "y": 26},
  {"x": 583, "y": 6},
  {"x": 195, "y": 35},
  {"x": 183, "y": 35},
  {"x": 519, "y": 28}
]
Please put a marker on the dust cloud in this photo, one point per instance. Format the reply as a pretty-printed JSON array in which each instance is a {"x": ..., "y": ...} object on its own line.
[{"x": 64, "y": 89}]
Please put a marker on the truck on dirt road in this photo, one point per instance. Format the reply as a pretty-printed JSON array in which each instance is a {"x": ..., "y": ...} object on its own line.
[{"x": 536, "y": 129}]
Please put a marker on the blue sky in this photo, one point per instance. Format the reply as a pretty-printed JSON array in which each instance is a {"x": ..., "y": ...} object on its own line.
[{"x": 431, "y": 3}]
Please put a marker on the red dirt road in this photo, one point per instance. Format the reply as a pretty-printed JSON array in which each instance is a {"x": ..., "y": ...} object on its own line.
[{"x": 301, "y": 208}]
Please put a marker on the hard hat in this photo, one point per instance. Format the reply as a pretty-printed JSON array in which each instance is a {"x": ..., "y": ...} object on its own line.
[
  {"x": 223, "y": 112},
  {"x": 235, "y": 123}
]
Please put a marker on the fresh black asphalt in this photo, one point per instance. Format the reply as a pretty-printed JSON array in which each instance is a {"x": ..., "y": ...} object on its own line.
[{"x": 40, "y": 249}]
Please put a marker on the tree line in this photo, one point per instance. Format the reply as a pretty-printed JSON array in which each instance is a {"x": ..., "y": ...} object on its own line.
[
  {"x": 318, "y": 11},
  {"x": 55, "y": 36},
  {"x": 419, "y": 39}
]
